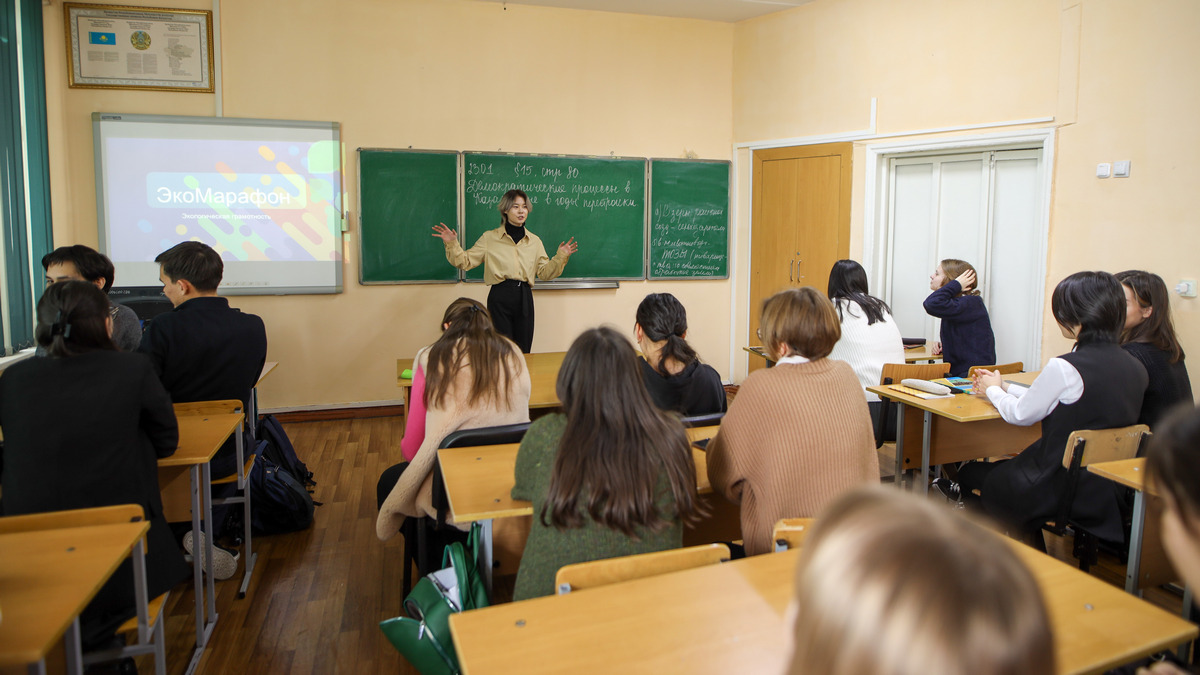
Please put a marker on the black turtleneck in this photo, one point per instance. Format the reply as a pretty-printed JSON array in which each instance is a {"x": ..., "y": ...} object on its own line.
[{"x": 517, "y": 232}]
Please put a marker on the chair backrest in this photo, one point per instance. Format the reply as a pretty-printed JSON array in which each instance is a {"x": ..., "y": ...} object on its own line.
[
  {"x": 61, "y": 520},
  {"x": 208, "y": 407},
  {"x": 790, "y": 533},
  {"x": 1002, "y": 368},
  {"x": 709, "y": 420},
  {"x": 1089, "y": 446},
  {"x": 465, "y": 438},
  {"x": 1104, "y": 445},
  {"x": 893, "y": 373},
  {"x": 627, "y": 568}
]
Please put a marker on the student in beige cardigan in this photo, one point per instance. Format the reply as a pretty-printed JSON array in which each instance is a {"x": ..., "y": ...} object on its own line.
[
  {"x": 799, "y": 434},
  {"x": 457, "y": 396}
]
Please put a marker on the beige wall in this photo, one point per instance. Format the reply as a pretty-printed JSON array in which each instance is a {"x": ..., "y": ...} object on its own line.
[
  {"x": 435, "y": 74},
  {"x": 1118, "y": 79}
]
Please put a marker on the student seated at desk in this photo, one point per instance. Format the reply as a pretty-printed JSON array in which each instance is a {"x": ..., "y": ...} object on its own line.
[
  {"x": 1096, "y": 386},
  {"x": 1149, "y": 335},
  {"x": 798, "y": 434},
  {"x": 80, "y": 263},
  {"x": 890, "y": 584},
  {"x": 611, "y": 476},
  {"x": 671, "y": 369},
  {"x": 870, "y": 337},
  {"x": 84, "y": 427},
  {"x": 967, "y": 338},
  {"x": 205, "y": 350},
  {"x": 471, "y": 377}
]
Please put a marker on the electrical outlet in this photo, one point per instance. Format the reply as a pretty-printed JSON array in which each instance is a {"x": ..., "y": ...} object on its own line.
[
  {"x": 1121, "y": 169},
  {"x": 1186, "y": 288}
]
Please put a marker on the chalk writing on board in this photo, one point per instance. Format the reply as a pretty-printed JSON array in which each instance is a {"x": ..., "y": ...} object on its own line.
[
  {"x": 681, "y": 239},
  {"x": 566, "y": 187}
]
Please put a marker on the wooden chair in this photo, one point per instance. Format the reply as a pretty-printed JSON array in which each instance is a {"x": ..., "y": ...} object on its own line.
[
  {"x": 893, "y": 373},
  {"x": 244, "y": 466},
  {"x": 627, "y": 568},
  {"x": 148, "y": 624},
  {"x": 1002, "y": 368},
  {"x": 1083, "y": 448},
  {"x": 790, "y": 533}
]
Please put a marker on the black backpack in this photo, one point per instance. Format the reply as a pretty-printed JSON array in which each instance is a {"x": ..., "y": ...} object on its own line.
[
  {"x": 279, "y": 503},
  {"x": 280, "y": 451}
]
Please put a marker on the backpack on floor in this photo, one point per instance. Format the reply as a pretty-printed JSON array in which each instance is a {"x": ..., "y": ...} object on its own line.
[
  {"x": 279, "y": 502},
  {"x": 280, "y": 451}
]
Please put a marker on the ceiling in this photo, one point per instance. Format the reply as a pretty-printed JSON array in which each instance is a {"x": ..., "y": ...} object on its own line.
[{"x": 711, "y": 10}]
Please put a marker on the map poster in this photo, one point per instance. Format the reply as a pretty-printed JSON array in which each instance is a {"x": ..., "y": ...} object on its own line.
[{"x": 117, "y": 47}]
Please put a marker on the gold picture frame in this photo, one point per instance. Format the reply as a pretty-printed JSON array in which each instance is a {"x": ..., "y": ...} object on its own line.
[{"x": 122, "y": 47}]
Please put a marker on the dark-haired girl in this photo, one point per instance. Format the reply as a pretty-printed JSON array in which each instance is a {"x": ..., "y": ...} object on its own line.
[
  {"x": 671, "y": 369},
  {"x": 610, "y": 476},
  {"x": 1095, "y": 386},
  {"x": 1149, "y": 335},
  {"x": 471, "y": 377},
  {"x": 966, "y": 334},
  {"x": 870, "y": 337},
  {"x": 513, "y": 260},
  {"x": 85, "y": 427}
]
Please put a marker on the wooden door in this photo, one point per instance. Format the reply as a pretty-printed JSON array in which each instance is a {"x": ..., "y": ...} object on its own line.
[{"x": 801, "y": 221}]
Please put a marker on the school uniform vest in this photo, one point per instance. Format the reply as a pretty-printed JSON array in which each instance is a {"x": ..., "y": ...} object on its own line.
[{"x": 1025, "y": 491}]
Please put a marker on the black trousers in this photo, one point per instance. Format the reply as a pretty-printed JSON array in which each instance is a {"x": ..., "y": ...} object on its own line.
[{"x": 510, "y": 303}]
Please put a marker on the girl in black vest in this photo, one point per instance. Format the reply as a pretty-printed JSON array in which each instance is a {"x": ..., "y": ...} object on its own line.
[{"x": 1096, "y": 386}]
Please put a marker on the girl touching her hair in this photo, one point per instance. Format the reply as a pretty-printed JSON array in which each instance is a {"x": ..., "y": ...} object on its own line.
[
  {"x": 471, "y": 377},
  {"x": 1149, "y": 335},
  {"x": 85, "y": 427},
  {"x": 1095, "y": 386},
  {"x": 673, "y": 373},
  {"x": 611, "y": 475},
  {"x": 966, "y": 335}
]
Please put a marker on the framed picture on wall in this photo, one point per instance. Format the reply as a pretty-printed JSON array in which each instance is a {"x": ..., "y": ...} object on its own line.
[{"x": 119, "y": 47}]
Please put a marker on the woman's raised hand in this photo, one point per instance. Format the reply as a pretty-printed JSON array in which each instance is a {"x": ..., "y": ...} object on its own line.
[
  {"x": 444, "y": 233},
  {"x": 966, "y": 279},
  {"x": 568, "y": 247}
]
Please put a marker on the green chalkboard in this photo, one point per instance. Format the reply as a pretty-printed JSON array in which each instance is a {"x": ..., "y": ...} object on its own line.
[
  {"x": 689, "y": 219},
  {"x": 599, "y": 201},
  {"x": 402, "y": 195}
]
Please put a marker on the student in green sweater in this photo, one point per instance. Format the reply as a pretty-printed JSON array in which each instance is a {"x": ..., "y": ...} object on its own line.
[{"x": 611, "y": 476}]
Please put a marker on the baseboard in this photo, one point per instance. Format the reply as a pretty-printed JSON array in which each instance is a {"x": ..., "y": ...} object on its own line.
[{"x": 337, "y": 412}]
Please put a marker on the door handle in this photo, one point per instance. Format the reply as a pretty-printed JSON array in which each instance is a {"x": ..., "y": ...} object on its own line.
[{"x": 791, "y": 267}]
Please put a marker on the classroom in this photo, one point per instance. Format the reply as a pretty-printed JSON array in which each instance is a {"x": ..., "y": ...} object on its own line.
[{"x": 1084, "y": 81}]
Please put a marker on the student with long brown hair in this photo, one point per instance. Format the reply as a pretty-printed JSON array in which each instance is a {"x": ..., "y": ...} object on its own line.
[
  {"x": 1149, "y": 335},
  {"x": 471, "y": 377},
  {"x": 966, "y": 335},
  {"x": 796, "y": 435},
  {"x": 890, "y": 584},
  {"x": 611, "y": 475}
]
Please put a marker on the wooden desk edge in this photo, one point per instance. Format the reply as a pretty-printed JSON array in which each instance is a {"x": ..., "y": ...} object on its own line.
[{"x": 233, "y": 421}]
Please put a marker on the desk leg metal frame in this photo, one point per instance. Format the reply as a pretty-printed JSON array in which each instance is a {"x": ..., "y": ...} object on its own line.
[
  {"x": 927, "y": 432},
  {"x": 201, "y": 479},
  {"x": 74, "y": 649},
  {"x": 899, "y": 476},
  {"x": 1136, "y": 533},
  {"x": 487, "y": 554}
]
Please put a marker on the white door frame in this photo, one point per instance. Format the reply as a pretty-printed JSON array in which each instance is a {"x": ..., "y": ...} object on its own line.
[{"x": 875, "y": 196}]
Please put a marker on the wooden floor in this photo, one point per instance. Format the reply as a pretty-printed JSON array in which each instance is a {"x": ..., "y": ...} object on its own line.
[{"x": 317, "y": 596}]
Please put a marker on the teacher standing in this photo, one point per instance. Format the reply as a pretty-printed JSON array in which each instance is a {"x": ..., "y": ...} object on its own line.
[{"x": 512, "y": 259}]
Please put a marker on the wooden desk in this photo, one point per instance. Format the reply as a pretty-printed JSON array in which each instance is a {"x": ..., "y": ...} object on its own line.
[
  {"x": 729, "y": 618},
  {"x": 944, "y": 433},
  {"x": 1147, "y": 564},
  {"x": 200, "y": 437},
  {"x": 479, "y": 482},
  {"x": 543, "y": 378},
  {"x": 46, "y": 579}
]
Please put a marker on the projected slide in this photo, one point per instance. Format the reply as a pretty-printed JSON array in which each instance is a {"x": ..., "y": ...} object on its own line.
[{"x": 266, "y": 195}]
